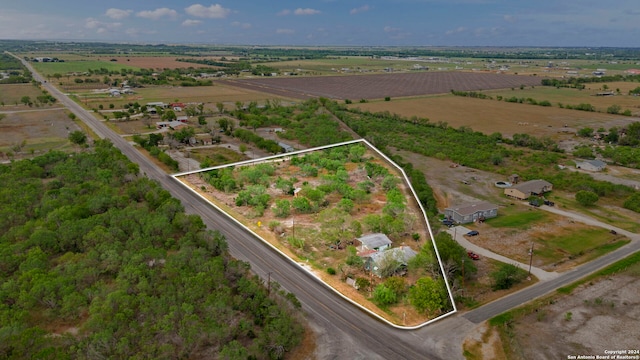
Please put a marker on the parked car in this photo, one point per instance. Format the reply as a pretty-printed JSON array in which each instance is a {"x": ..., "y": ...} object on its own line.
[
  {"x": 473, "y": 256},
  {"x": 448, "y": 222},
  {"x": 535, "y": 203},
  {"x": 549, "y": 203},
  {"x": 473, "y": 233}
]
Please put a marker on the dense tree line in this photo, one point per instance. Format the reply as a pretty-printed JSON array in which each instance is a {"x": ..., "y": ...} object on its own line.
[{"x": 98, "y": 262}]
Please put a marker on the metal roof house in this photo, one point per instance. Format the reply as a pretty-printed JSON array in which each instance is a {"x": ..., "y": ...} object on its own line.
[
  {"x": 470, "y": 212},
  {"x": 524, "y": 190},
  {"x": 376, "y": 241},
  {"x": 378, "y": 261}
]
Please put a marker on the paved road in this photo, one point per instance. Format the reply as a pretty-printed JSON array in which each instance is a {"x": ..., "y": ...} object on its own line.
[{"x": 344, "y": 332}]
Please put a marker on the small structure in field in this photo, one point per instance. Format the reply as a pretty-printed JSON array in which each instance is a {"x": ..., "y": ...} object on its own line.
[
  {"x": 528, "y": 188},
  {"x": 470, "y": 212}
]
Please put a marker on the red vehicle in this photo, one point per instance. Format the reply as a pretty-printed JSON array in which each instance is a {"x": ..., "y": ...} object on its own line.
[{"x": 473, "y": 256}]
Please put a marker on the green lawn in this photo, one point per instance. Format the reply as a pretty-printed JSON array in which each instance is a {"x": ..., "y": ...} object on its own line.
[{"x": 518, "y": 219}]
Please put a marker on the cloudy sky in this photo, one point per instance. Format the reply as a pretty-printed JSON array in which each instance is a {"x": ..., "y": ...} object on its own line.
[{"x": 329, "y": 22}]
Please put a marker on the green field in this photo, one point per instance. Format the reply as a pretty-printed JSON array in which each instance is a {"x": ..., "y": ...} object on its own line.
[
  {"x": 577, "y": 243},
  {"x": 63, "y": 68}
]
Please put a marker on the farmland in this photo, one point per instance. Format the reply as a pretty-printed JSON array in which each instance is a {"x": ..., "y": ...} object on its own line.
[
  {"x": 50, "y": 68},
  {"x": 385, "y": 85}
]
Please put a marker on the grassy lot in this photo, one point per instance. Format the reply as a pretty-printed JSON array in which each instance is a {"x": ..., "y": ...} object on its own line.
[
  {"x": 10, "y": 94},
  {"x": 511, "y": 218},
  {"x": 554, "y": 248},
  {"x": 603, "y": 211},
  {"x": 558, "y": 242},
  {"x": 217, "y": 155},
  {"x": 48, "y": 69}
]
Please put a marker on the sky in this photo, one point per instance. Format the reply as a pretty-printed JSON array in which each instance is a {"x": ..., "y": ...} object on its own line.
[{"x": 583, "y": 23}]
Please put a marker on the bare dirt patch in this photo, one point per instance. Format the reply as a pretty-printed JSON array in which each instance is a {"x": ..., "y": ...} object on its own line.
[
  {"x": 597, "y": 316},
  {"x": 490, "y": 116},
  {"x": 37, "y": 131}
]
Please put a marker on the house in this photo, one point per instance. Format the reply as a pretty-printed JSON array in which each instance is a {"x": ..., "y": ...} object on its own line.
[
  {"x": 157, "y": 104},
  {"x": 175, "y": 125},
  {"x": 524, "y": 190},
  {"x": 591, "y": 165},
  {"x": 470, "y": 212},
  {"x": 204, "y": 139},
  {"x": 397, "y": 258},
  {"x": 376, "y": 241}
]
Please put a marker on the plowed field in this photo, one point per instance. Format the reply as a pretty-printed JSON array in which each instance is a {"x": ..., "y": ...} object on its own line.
[{"x": 381, "y": 86}]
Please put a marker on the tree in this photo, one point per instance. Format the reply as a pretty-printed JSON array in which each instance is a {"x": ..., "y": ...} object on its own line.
[
  {"x": 169, "y": 115},
  {"x": 25, "y": 100},
  {"x": 506, "y": 276},
  {"x": 78, "y": 137},
  {"x": 427, "y": 295},
  {"x": 220, "y": 107},
  {"x": 586, "y": 198}
]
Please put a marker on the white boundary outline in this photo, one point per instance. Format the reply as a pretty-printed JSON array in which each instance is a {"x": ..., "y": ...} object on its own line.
[{"x": 284, "y": 156}]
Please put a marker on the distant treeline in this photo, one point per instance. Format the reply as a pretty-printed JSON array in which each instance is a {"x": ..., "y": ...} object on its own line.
[{"x": 577, "y": 82}]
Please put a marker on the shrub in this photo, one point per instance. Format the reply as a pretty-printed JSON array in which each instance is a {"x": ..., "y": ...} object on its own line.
[
  {"x": 331, "y": 271},
  {"x": 506, "y": 276},
  {"x": 586, "y": 198}
]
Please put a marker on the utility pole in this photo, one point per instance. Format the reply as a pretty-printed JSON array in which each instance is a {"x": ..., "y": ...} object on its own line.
[
  {"x": 268, "y": 283},
  {"x": 530, "y": 258},
  {"x": 463, "y": 275}
]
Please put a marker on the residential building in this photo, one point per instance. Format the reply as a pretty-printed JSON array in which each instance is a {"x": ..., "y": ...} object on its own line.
[
  {"x": 523, "y": 190},
  {"x": 380, "y": 261},
  {"x": 470, "y": 212},
  {"x": 376, "y": 241}
]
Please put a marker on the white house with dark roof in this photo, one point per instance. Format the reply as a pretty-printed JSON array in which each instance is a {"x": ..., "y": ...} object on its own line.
[
  {"x": 532, "y": 187},
  {"x": 470, "y": 212},
  {"x": 591, "y": 165}
]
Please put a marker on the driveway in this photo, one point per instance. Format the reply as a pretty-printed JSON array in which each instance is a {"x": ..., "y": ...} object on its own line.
[{"x": 458, "y": 232}]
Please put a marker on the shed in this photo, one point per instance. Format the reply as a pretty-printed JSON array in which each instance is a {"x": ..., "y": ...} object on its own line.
[
  {"x": 528, "y": 188},
  {"x": 470, "y": 212},
  {"x": 286, "y": 147}
]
